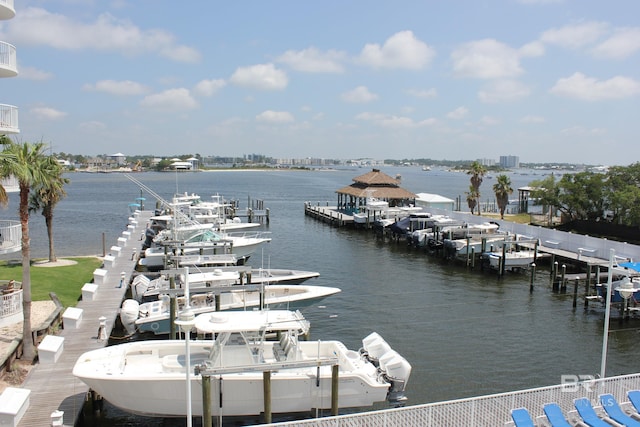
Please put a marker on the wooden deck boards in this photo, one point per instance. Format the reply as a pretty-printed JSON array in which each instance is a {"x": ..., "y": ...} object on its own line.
[{"x": 53, "y": 387}]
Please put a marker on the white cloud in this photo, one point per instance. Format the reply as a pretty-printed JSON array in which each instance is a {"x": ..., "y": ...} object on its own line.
[
  {"x": 359, "y": 95},
  {"x": 486, "y": 59},
  {"x": 502, "y": 91},
  {"x": 401, "y": 50},
  {"x": 39, "y": 27},
  {"x": 392, "y": 121},
  {"x": 47, "y": 113},
  {"x": 423, "y": 93},
  {"x": 126, "y": 87},
  {"x": 209, "y": 87},
  {"x": 458, "y": 113},
  {"x": 31, "y": 73},
  {"x": 590, "y": 89},
  {"x": 579, "y": 130},
  {"x": 311, "y": 60},
  {"x": 532, "y": 119},
  {"x": 575, "y": 36},
  {"x": 172, "y": 100},
  {"x": 277, "y": 117},
  {"x": 92, "y": 126},
  {"x": 622, "y": 44},
  {"x": 533, "y": 49},
  {"x": 489, "y": 121},
  {"x": 261, "y": 76}
]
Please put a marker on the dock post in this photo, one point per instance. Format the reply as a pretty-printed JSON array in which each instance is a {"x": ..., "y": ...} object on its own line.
[
  {"x": 473, "y": 257},
  {"x": 533, "y": 275},
  {"x": 554, "y": 275},
  {"x": 575, "y": 292},
  {"x": 503, "y": 264},
  {"x": 334, "y": 390},
  {"x": 563, "y": 284},
  {"x": 172, "y": 309},
  {"x": 207, "y": 421},
  {"x": 587, "y": 284},
  {"x": 266, "y": 385}
]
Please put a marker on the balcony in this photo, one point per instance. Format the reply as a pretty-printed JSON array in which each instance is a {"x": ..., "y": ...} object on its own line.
[
  {"x": 8, "y": 119},
  {"x": 6, "y": 9},
  {"x": 10, "y": 237},
  {"x": 8, "y": 60},
  {"x": 10, "y": 303}
]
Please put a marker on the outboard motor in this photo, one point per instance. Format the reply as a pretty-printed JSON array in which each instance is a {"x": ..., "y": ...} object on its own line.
[
  {"x": 149, "y": 234},
  {"x": 396, "y": 370}
]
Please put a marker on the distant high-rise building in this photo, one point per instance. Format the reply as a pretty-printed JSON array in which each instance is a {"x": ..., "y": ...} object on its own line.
[
  {"x": 509, "y": 161},
  {"x": 487, "y": 162}
]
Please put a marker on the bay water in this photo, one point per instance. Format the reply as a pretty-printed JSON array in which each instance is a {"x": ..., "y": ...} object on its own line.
[{"x": 466, "y": 332}]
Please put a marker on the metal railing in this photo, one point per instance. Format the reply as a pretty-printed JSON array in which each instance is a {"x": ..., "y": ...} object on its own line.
[{"x": 491, "y": 410}]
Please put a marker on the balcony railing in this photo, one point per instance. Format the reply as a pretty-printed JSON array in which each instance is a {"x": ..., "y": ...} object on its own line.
[
  {"x": 10, "y": 303},
  {"x": 8, "y": 60},
  {"x": 10, "y": 236},
  {"x": 8, "y": 119},
  {"x": 7, "y": 10}
]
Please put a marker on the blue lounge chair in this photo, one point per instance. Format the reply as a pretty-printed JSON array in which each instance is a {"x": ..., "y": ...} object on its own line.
[
  {"x": 555, "y": 416},
  {"x": 634, "y": 398},
  {"x": 522, "y": 418},
  {"x": 610, "y": 405},
  {"x": 588, "y": 414}
]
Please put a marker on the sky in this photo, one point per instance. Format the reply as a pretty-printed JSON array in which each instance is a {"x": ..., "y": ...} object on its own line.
[{"x": 544, "y": 80}]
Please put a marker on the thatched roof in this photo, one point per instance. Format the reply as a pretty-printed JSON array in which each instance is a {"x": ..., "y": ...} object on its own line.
[
  {"x": 375, "y": 177},
  {"x": 376, "y": 184}
]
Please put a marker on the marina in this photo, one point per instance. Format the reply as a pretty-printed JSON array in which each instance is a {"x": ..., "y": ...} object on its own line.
[{"x": 444, "y": 368}]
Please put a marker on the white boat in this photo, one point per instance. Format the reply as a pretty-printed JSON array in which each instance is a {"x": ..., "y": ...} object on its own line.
[
  {"x": 148, "y": 377},
  {"x": 373, "y": 210},
  {"x": 154, "y": 316},
  {"x": 512, "y": 259},
  {"x": 144, "y": 288},
  {"x": 207, "y": 241}
]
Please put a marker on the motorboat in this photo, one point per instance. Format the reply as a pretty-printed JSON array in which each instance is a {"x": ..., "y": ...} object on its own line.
[
  {"x": 205, "y": 241},
  {"x": 154, "y": 316},
  {"x": 155, "y": 377},
  {"x": 511, "y": 260},
  {"x": 144, "y": 288}
]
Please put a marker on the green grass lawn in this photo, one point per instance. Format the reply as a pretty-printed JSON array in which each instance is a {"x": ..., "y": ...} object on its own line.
[{"x": 65, "y": 281}]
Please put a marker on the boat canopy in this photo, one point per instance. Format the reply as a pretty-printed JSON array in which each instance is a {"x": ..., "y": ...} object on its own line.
[{"x": 251, "y": 321}]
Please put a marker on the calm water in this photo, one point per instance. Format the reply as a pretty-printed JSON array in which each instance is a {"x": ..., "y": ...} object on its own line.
[{"x": 464, "y": 332}]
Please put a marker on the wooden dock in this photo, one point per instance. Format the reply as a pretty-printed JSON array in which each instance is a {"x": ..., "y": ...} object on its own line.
[
  {"x": 52, "y": 385},
  {"x": 328, "y": 214}
]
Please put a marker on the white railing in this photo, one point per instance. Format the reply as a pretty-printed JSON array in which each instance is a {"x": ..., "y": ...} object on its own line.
[
  {"x": 491, "y": 410},
  {"x": 11, "y": 303},
  {"x": 10, "y": 236},
  {"x": 8, "y": 119},
  {"x": 8, "y": 59}
]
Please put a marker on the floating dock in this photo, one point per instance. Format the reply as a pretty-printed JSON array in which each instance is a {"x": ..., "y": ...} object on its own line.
[{"x": 87, "y": 327}]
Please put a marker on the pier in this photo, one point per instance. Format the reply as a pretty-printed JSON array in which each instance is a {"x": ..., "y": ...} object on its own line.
[{"x": 85, "y": 327}]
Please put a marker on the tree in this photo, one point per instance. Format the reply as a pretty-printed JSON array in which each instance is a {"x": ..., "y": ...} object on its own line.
[
  {"x": 502, "y": 189},
  {"x": 472, "y": 199},
  {"x": 25, "y": 163},
  {"x": 46, "y": 196},
  {"x": 477, "y": 172}
]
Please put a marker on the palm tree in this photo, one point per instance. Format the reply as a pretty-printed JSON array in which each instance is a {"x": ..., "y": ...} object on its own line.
[
  {"x": 472, "y": 199},
  {"x": 46, "y": 196},
  {"x": 477, "y": 172},
  {"x": 24, "y": 162},
  {"x": 503, "y": 189}
]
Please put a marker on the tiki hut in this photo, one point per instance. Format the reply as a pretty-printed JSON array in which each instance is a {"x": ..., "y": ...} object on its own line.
[{"x": 376, "y": 185}]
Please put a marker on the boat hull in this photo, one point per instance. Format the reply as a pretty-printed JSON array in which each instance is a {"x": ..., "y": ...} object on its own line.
[
  {"x": 148, "y": 378},
  {"x": 276, "y": 297}
]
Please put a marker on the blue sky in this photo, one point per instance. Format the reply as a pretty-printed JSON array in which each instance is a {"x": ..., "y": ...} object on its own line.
[{"x": 545, "y": 80}]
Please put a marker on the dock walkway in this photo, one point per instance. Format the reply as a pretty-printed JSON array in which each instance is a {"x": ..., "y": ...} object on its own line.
[{"x": 52, "y": 385}]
